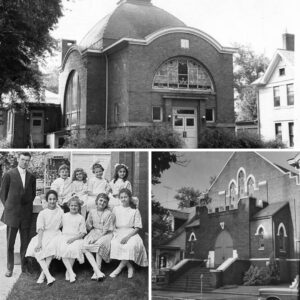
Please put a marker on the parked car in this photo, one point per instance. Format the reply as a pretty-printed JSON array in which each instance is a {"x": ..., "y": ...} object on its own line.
[{"x": 278, "y": 294}]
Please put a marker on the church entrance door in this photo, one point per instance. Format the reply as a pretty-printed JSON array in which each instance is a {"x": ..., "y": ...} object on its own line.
[
  {"x": 223, "y": 247},
  {"x": 185, "y": 123}
]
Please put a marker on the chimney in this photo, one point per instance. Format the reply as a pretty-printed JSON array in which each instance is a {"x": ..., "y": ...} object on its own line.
[
  {"x": 65, "y": 45},
  {"x": 288, "y": 40}
]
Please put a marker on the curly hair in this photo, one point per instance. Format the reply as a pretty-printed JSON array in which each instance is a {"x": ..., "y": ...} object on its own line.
[
  {"x": 102, "y": 195},
  {"x": 77, "y": 200},
  {"x": 97, "y": 165},
  {"x": 83, "y": 174},
  {"x": 117, "y": 169}
]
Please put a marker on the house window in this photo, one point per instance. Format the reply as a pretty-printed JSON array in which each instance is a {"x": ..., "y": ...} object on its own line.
[
  {"x": 210, "y": 115},
  {"x": 185, "y": 44},
  {"x": 156, "y": 114},
  {"x": 241, "y": 183},
  {"x": 72, "y": 100},
  {"x": 116, "y": 113},
  {"x": 250, "y": 186},
  {"x": 278, "y": 131},
  {"x": 291, "y": 134},
  {"x": 261, "y": 242},
  {"x": 182, "y": 73},
  {"x": 290, "y": 94},
  {"x": 281, "y": 71},
  {"x": 276, "y": 94}
]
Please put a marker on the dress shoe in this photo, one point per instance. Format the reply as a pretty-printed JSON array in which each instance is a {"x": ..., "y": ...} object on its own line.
[{"x": 8, "y": 273}]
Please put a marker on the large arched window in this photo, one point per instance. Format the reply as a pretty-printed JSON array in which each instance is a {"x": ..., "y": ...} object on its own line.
[
  {"x": 250, "y": 186},
  {"x": 241, "y": 183},
  {"x": 73, "y": 100},
  {"x": 232, "y": 192},
  {"x": 182, "y": 73}
]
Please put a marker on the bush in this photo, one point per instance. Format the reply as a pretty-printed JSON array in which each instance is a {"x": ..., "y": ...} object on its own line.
[
  {"x": 145, "y": 137},
  {"x": 4, "y": 144},
  {"x": 220, "y": 138}
]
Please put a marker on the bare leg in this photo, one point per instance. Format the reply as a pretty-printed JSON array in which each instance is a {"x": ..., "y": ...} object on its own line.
[
  {"x": 94, "y": 264},
  {"x": 118, "y": 270},
  {"x": 68, "y": 265},
  {"x": 130, "y": 269}
]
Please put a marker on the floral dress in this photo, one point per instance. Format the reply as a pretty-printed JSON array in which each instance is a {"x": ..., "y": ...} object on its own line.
[
  {"x": 101, "y": 224},
  {"x": 127, "y": 219},
  {"x": 49, "y": 221},
  {"x": 73, "y": 224}
]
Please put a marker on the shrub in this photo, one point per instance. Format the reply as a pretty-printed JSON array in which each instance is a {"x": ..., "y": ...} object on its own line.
[
  {"x": 4, "y": 144},
  {"x": 145, "y": 137},
  {"x": 220, "y": 138}
]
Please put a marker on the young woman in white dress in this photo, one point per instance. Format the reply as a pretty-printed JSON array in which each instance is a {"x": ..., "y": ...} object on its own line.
[
  {"x": 100, "y": 222},
  {"x": 126, "y": 245},
  {"x": 96, "y": 185},
  {"x": 79, "y": 187},
  {"x": 43, "y": 245},
  {"x": 118, "y": 183},
  {"x": 69, "y": 245}
]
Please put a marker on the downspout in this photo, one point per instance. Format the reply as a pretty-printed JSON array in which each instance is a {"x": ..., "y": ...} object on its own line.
[
  {"x": 258, "y": 114},
  {"x": 106, "y": 94}
]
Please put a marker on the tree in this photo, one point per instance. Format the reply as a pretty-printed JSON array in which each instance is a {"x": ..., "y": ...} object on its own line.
[
  {"x": 248, "y": 66},
  {"x": 24, "y": 41},
  {"x": 187, "y": 197}
]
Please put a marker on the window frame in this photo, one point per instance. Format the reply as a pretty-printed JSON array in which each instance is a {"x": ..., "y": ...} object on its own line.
[
  {"x": 185, "y": 44},
  {"x": 291, "y": 129},
  {"x": 278, "y": 134},
  {"x": 290, "y": 94},
  {"x": 213, "y": 115},
  {"x": 160, "y": 113},
  {"x": 282, "y": 71},
  {"x": 276, "y": 98}
]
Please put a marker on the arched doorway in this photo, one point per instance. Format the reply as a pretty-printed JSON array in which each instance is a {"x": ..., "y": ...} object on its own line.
[{"x": 223, "y": 247}]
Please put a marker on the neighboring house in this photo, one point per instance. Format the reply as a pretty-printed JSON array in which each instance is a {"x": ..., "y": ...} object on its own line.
[
  {"x": 253, "y": 215},
  {"x": 27, "y": 126},
  {"x": 140, "y": 66},
  {"x": 276, "y": 102}
]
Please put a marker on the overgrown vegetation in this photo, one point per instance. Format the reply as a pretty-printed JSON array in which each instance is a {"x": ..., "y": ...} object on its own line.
[
  {"x": 146, "y": 137},
  {"x": 263, "y": 276},
  {"x": 220, "y": 138}
]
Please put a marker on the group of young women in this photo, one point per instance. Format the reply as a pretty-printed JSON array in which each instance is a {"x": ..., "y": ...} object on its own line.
[{"x": 110, "y": 230}]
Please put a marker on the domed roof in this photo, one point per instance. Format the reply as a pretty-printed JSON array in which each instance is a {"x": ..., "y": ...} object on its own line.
[{"x": 131, "y": 19}]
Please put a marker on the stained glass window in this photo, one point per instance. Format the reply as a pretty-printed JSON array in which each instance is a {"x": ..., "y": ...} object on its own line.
[
  {"x": 182, "y": 73},
  {"x": 241, "y": 183},
  {"x": 250, "y": 186}
]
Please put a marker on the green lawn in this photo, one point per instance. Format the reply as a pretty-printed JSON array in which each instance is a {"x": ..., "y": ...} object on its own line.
[{"x": 84, "y": 288}]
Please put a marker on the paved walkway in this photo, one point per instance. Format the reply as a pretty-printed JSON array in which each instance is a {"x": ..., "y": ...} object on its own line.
[{"x": 6, "y": 283}]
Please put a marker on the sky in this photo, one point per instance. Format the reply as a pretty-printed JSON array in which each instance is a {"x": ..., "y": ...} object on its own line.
[
  {"x": 200, "y": 167},
  {"x": 257, "y": 23}
]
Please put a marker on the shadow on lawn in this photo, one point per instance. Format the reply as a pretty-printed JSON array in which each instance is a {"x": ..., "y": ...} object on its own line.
[{"x": 84, "y": 288}]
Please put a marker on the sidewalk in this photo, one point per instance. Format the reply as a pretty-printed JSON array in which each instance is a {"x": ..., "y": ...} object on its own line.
[{"x": 6, "y": 283}]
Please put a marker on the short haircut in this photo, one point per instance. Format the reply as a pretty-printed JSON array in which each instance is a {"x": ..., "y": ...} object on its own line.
[
  {"x": 51, "y": 192},
  {"x": 97, "y": 165},
  {"x": 102, "y": 195},
  {"x": 63, "y": 167},
  {"x": 25, "y": 154},
  {"x": 77, "y": 200}
]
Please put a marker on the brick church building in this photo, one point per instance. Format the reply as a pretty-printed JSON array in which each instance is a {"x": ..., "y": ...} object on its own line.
[
  {"x": 141, "y": 66},
  {"x": 253, "y": 215}
]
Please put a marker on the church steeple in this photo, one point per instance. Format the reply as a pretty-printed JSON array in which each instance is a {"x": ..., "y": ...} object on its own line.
[{"x": 139, "y": 2}]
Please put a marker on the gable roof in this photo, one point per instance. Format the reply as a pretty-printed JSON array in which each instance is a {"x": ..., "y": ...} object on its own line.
[
  {"x": 270, "y": 210},
  {"x": 285, "y": 55}
]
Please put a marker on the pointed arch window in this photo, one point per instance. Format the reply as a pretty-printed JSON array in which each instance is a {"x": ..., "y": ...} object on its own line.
[
  {"x": 183, "y": 73},
  {"x": 261, "y": 242},
  {"x": 72, "y": 100},
  {"x": 250, "y": 186},
  {"x": 241, "y": 183},
  {"x": 282, "y": 235},
  {"x": 232, "y": 192}
]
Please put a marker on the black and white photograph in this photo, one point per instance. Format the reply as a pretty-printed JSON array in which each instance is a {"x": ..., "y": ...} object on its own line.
[
  {"x": 225, "y": 225},
  {"x": 148, "y": 74},
  {"x": 74, "y": 225}
]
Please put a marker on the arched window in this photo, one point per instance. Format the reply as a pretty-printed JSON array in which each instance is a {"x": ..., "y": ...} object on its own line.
[
  {"x": 182, "y": 73},
  {"x": 261, "y": 243},
  {"x": 241, "y": 183},
  {"x": 250, "y": 186},
  {"x": 192, "y": 241},
  {"x": 232, "y": 192},
  {"x": 282, "y": 237},
  {"x": 73, "y": 100}
]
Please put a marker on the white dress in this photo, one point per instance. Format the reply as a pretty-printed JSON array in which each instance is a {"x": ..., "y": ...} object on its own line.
[
  {"x": 115, "y": 187},
  {"x": 49, "y": 221},
  {"x": 63, "y": 189},
  {"x": 127, "y": 219},
  {"x": 80, "y": 189},
  {"x": 96, "y": 186},
  {"x": 72, "y": 226}
]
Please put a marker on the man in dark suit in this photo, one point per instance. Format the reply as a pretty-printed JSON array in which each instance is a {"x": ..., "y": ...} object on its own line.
[{"x": 18, "y": 190}]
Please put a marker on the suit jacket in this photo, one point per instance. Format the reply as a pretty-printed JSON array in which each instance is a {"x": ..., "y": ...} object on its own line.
[{"x": 17, "y": 200}]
